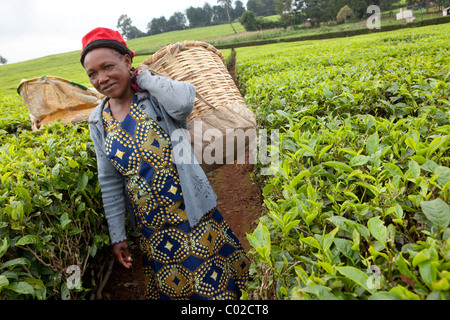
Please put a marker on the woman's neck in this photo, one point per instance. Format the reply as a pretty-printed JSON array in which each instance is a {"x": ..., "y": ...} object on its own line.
[{"x": 120, "y": 107}]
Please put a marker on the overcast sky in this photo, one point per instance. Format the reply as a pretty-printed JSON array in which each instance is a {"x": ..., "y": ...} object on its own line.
[{"x": 36, "y": 28}]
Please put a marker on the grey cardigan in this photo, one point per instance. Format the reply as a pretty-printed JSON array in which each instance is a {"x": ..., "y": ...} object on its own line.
[{"x": 169, "y": 103}]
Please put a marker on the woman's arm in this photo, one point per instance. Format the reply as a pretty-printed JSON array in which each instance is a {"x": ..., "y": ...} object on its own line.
[
  {"x": 111, "y": 183},
  {"x": 112, "y": 187},
  {"x": 177, "y": 98}
]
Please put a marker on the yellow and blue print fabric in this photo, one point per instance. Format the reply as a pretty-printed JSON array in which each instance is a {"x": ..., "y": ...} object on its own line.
[{"x": 180, "y": 262}]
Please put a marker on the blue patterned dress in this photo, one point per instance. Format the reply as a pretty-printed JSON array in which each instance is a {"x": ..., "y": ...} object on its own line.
[{"x": 205, "y": 262}]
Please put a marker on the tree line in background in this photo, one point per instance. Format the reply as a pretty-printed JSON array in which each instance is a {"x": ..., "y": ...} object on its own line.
[
  {"x": 317, "y": 11},
  {"x": 292, "y": 12},
  {"x": 225, "y": 11},
  {"x": 193, "y": 17}
]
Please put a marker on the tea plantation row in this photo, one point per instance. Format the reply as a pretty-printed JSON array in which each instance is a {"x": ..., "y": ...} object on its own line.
[
  {"x": 357, "y": 207},
  {"x": 50, "y": 207}
]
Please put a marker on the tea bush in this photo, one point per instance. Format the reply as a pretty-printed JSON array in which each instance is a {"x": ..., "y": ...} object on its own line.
[
  {"x": 357, "y": 207},
  {"x": 50, "y": 211}
]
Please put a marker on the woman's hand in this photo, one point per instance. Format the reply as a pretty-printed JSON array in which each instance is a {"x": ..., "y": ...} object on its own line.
[
  {"x": 122, "y": 254},
  {"x": 134, "y": 75}
]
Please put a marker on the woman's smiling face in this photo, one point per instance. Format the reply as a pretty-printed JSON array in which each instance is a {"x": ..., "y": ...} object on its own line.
[{"x": 108, "y": 72}]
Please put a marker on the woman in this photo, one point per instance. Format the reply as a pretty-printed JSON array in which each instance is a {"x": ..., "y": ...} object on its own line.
[{"x": 190, "y": 252}]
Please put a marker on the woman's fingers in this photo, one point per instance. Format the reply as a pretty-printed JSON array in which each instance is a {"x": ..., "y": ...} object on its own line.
[{"x": 122, "y": 254}]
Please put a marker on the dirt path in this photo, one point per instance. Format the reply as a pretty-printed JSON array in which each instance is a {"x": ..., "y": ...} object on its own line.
[{"x": 239, "y": 202}]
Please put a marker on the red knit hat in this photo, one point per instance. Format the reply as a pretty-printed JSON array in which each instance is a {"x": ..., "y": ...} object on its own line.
[{"x": 104, "y": 38}]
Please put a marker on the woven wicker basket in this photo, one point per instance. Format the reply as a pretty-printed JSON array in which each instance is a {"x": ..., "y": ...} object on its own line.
[{"x": 219, "y": 104}]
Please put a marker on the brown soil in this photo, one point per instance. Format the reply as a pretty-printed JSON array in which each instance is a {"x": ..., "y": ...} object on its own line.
[{"x": 239, "y": 202}]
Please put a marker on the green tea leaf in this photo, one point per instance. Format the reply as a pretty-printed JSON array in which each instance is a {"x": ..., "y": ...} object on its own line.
[
  {"x": 299, "y": 178},
  {"x": 358, "y": 161},
  {"x": 444, "y": 175},
  {"x": 327, "y": 93},
  {"x": 23, "y": 193},
  {"x": 326, "y": 266},
  {"x": 83, "y": 180},
  {"x": 404, "y": 268},
  {"x": 429, "y": 165},
  {"x": 383, "y": 295},
  {"x": 312, "y": 242},
  {"x": 419, "y": 159},
  {"x": 356, "y": 240},
  {"x": 307, "y": 148},
  {"x": 55, "y": 171},
  {"x": 404, "y": 293},
  {"x": 29, "y": 239},
  {"x": 15, "y": 262},
  {"x": 6, "y": 176},
  {"x": 3, "y": 282},
  {"x": 72, "y": 163},
  {"x": 410, "y": 142},
  {"x": 22, "y": 288},
  {"x": 260, "y": 238},
  {"x": 4, "y": 246},
  {"x": 267, "y": 189},
  {"x": 438, "y": 212},
  {"x": 398, "y": 211},
  {"x": 321, "y": 292},
  {"x": 338, "y": 166},
  {"x": 372, "y": 143},
  {"x": 369, "y": 187},
  {"x": 356, "y": 276},
  {"x": 328, "y": 239},
  {"x": 324, "y": 150},
  {"x": 345, "y": 246},
  {"x": 393, "y": 169},
  {"x": 65, "y": 221},
  {"x": 414, "y": 168},
  {"x": 377, "y": 229},
  {"x": 436, "y": 144}
]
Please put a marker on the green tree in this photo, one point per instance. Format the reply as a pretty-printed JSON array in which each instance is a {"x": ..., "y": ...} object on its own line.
[
  {"x": 124, "y": 25},
  {"x": 176, "y": 22},
  {"x": 128, "y": 31},
  {"x": 248, "y": 20},
  {"x": 157, "y": 26},
  {"x": 316, "y": 10},
  {"x": 424, "y": 3},
  {"x": 443, "y": 4},
  {"x": 284, "y": 9},
  {"x": 283, "y": 6},
  {"x": 238, "y": 10},
  {"x": 261, "y": 7},
  {"x": 344, "y": 14},
  {"x": 194, "y": 16},
  {"x": 219, "y": 15},
  {"x": 199, "y": 16},
  {"x": 208, "y": 13},
  {"x": 3, "y": 60}
]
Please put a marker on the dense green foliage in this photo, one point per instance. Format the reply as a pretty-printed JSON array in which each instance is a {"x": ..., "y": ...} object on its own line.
[
  {"x": 357, "y": 208},
  {"x": 50, "y": 206}
]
